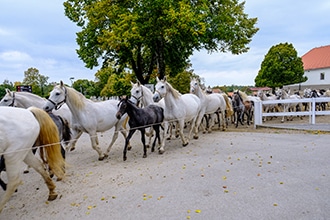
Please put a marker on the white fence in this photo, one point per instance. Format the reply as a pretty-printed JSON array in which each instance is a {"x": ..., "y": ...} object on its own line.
[{"x": 258, "y": 112}]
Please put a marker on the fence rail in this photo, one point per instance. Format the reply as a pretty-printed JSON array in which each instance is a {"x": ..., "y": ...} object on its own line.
[{"x": 258, "y": 110}]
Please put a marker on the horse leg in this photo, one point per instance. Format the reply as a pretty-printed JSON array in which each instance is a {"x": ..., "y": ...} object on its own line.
[
  {"x": 95, "y": 144},
  {"x": 75, "y": 136},
  {"x": 37, "y": 165},
  {"x": 114, "y": 138},
  {"x": 183, "y": 139},
  {"x": 13, "y": 174},
  {"x": 26, "y": 170},
  {"x": 151, "y": 131},
  {"x": 156, "y": 129},
  {"x": 130, "y": 133},
  {"x": 222, "y": 120},
  {"x": 162, "y": 146},
  {"x": 143, "y": 139}
]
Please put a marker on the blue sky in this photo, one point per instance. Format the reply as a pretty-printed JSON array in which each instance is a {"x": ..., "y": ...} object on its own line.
[{"x": 37, "y": 34}]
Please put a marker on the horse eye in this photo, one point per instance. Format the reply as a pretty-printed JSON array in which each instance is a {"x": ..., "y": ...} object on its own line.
[
  {"x": 162, "y": 87},
  {"x": 57, "y": 93},
  {"x": 137, "y": 91}
]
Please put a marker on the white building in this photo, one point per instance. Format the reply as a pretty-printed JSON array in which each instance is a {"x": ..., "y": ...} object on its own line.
[{"x": 317, "y": 69}]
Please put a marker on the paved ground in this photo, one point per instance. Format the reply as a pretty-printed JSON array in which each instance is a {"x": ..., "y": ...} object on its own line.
[
  {"x": 323, "y": 127},
  {"x": 275, "y": 174}
]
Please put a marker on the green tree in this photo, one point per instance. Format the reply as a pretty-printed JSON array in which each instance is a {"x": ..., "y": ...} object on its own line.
[
  {"x": 33, "y": 78},
  {"x": 281, "y": 66},
  {"x": 86, "y": 87},
  {"x": 149, "y": 35},
  {"x": 5, "y": 85},
  {"x": 118, "y": 85}
]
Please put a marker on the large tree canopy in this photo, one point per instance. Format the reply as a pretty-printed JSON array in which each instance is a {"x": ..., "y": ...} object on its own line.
[
  {"x": 148, "y": 35},
  {"x": 281, "y": 66}
]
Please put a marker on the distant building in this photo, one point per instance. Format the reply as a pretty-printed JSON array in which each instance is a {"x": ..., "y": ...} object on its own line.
[
  {"x": 23, "y": 88},
  {"x": 317, "y": 68}
]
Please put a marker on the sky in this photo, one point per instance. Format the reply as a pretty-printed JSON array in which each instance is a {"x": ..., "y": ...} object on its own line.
[{"x": 37, "y": 34}]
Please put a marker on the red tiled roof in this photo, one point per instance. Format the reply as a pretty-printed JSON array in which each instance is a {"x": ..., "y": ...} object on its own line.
[
  {"x": 259, "y": 88},
  {"x": 317, "y": 58}
]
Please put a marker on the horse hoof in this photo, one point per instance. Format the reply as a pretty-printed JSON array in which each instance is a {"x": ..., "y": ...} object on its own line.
[
  {"x": 124, "y": 158},
  {"x": 101, "y": 158},
  {"x": 25, "y": 171},
  {"x": 129, "y": 148},
  {"x": 144, "y": 156},
  {"x": 147, "y": 146},
  {"x": 72, "y": 149},
  {"x": 161, "y": 151},
  {"x": 196, "y": 137},
  {"x": 52, "y": 197},
  {"x": 185, "y": 144},
  {"x": 106, "y": 156}
]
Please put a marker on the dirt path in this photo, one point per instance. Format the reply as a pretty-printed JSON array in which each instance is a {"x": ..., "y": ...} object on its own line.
[{"x": 233, "y": 174}]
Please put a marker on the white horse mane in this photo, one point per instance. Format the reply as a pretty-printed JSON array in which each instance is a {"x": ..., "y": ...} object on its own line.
[
  {"x": 176, "y": 94},
  {"x": 76, "y": 98}
]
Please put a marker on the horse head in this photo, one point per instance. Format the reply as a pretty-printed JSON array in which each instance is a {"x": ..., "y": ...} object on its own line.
[
  {"x": 194, "y": 86},
  {"x": 56, "y": 98},
  {"x": 8, "y": 99},
  {"x": 136, "y": 92},
  {"x": 122, "y": 107},
  {"x": 160, "y": 89}
]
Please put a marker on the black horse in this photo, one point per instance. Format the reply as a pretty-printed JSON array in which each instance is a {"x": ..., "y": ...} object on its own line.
[
  {"x": 241, "y": 108},
  {"x": 64, "y": 133},
  {"x": 140, "y": 119}
]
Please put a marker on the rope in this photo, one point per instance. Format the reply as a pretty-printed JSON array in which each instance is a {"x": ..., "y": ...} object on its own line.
[{"x": 41, "y": 146}]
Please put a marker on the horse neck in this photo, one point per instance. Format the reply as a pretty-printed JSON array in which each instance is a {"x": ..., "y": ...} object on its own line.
[
  {"x": 200, "y": 93},
  {"x": 74, "y": 100},
  {"x": 170, "y": 99},
  {"x": 131, "y": 110},
  {"x": 147, "y": 96},
  {"x": 26, "y": 100}
]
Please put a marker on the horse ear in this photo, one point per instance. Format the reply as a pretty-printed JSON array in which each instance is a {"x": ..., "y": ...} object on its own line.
[
  {"x": 164, "y": 78},
  {"x": 61, "y": 83},
  {"x": 138, "y": 82},
  {"x": 7, "y": 91},
  {"x": 132, "y": 83},
  {"x": 157, "y": 79}
]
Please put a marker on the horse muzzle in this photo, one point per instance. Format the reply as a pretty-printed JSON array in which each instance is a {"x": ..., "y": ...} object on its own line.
[{"x": 118, "y": 115}]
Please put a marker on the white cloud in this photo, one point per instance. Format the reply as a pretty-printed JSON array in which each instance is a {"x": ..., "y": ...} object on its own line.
[{"x": 14, "y": 56}]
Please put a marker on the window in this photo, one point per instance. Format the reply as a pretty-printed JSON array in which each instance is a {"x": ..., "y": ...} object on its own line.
[{"x": 322, "y": 76}]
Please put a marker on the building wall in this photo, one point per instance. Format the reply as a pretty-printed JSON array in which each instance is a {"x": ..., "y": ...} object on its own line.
[{"x": 314, "y": 77}]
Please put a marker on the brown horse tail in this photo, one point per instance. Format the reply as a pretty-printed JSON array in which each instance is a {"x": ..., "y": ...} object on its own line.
[
  {"x": 49, "y": 140},
  {"x": 229, "y": 107}
]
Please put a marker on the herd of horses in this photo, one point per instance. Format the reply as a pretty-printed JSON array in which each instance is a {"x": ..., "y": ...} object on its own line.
[{"x": 55, "y": 124}]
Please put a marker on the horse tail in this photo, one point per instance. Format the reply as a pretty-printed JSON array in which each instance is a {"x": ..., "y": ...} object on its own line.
[
  {"x": 229, "y": 106},
  {"x": 49, "y": 137}
]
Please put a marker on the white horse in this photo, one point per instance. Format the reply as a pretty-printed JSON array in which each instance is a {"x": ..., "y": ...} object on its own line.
[
  {"x": 211, "y": 104},
  {"x": 282, "y": 94},
  {"x": 178, "y": 108},
  {"x": 28, "y": 99},
  {"x": 20, "y": 130},
  {"x": 267, "y": 107},
  {"x": 87, "y": 116}
]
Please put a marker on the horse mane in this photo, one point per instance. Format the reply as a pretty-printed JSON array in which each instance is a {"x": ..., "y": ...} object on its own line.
[
  {"x": 76, "y": 98},
  {"x": 173, "y": 91},
  {"x": 243, "y": 95}
]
